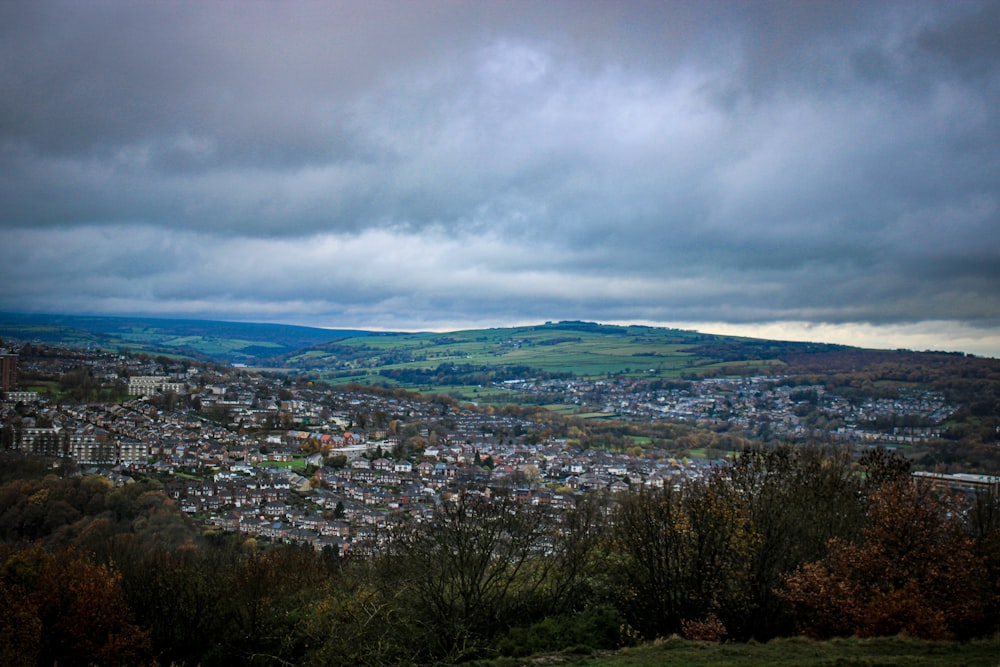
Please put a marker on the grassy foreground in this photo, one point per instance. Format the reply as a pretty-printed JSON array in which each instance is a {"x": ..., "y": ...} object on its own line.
[{"x": 795, "y": 652}]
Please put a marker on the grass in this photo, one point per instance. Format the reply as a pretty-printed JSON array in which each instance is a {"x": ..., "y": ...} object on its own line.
[
  {"x": 213, "y": 346},
  {"x": 583, "y": 353},
  {"x": 596, "y": 415},
  {"x": 474, "y": 393},
  {"x": 296, "y": 464},
  {"x": 48, "y": 388},
  {"x": 792, "y": 652}
]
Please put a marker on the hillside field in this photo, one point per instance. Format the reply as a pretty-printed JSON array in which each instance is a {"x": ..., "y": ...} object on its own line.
[{"x": 579, "y": 349}]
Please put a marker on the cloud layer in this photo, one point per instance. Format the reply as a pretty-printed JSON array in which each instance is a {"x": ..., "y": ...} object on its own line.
[{"x": 436, "y": 164}]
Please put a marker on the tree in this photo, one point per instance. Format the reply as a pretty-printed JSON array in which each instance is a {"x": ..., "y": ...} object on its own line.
[
  {"x": 360, "y": 419},
  {"x": 175, "y": 592},
  {"x": 983, "y": 524},
  {"x": 65, "y": 609},
  {"x": 470, "y": 573},
  {"x": 798, "y": 499},
  {"x": 684, "y": 554},
  {"x": 355, "y": 622},
  {"x": 337, "y": 461},
  {"x": 913, "y": 571},
  {"x": 882, "y": 466}
]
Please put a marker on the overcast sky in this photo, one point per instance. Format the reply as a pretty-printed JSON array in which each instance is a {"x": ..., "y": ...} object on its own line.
[{"x": 828, "y": 171}]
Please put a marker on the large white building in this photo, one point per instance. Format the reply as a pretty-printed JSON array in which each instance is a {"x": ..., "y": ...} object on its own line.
[
  {"x": 148, "y": 385},
  {"x": 23, "y": 397}
]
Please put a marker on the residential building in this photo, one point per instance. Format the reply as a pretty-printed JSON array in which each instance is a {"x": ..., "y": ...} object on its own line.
[
  {"x": 147, "y": 385},
  {"x": 8, "y": 371}
]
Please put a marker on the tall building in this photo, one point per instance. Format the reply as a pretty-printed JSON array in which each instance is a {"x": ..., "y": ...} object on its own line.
[{"x": 8, "y": 371}]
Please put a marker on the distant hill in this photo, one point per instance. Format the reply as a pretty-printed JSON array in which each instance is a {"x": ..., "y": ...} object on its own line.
[
  {"x": 553, "y": 349},
  {"x": 529, "y": 364},
  {"x": 473, "y": 363},
  {"x": 467, "y": 358},
  {"x": 226, "y": 342},
  {"x": 479, "y": 358}
]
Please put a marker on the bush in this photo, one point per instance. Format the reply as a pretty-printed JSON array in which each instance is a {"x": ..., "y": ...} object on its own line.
[{"x": 591, "y": 629}]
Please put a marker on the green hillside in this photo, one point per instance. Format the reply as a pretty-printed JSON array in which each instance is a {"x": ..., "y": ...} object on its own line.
[
  {"x": 551, "y": 350},
  {"x": 224, "y": 342},
  {"x": 483, "y": 364}
]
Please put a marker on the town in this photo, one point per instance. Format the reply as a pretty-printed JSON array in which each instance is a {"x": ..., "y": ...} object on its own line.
[{"x": 333, "y": 467}]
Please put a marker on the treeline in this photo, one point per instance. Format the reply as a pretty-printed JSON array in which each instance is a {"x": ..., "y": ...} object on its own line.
[
  {"x": 784, "y": 541},
  {"x": 341, "y": 352},
  {"x": 751, "y": 349},
  {"x": 856, "y": 374},
  {"x": 467, "y": 374}
]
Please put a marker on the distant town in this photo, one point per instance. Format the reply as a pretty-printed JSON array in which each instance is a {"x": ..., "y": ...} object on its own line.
[{"x": 333, "y": 467}]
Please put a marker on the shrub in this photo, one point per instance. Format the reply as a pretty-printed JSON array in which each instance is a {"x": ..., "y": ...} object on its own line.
[{"x": 591, "y": 629}]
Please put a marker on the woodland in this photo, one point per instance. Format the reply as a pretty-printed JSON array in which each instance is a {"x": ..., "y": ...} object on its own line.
[{"x": 787, "y": 541}]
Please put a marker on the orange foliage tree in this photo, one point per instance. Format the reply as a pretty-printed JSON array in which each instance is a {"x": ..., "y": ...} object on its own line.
[
  {"x": 64, "y": 609},
  {"x": 913, "y": 571}
]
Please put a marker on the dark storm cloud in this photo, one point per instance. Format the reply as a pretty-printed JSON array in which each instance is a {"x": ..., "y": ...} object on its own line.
[{"x": 420, "y": 164}]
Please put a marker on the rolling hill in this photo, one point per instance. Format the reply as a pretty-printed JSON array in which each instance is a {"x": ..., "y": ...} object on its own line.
[
  {"x": 223, "y": 342},
  {"x": 480, "y": 362},
  {"x": 551, "y": 350}
]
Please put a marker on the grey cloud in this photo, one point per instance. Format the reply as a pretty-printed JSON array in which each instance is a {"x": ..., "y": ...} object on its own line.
[
  {"x": 969, "y": 42},
  {"x": 700, "y": 161}
]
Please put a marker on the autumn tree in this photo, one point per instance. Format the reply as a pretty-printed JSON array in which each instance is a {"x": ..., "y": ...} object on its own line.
[
  {"x": 175, "y": 592},
  {"x": 913, "y": 571},
  {"x": 798, "y": 499},
  {"x": 882, "y": 466},
  {"x": 356, "y": 621},
  {"x": 982, "y": 519},
  {"x": 65, "y": 609}
]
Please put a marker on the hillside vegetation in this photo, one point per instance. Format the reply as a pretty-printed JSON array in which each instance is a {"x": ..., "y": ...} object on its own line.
[
  {"x": 786, "y": 541},
  {"x": 552, "y": 350},
  {"x": 790, "y": 652},
  {"x": 225, "y": 342}
]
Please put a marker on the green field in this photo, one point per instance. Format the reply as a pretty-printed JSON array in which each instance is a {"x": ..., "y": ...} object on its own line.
[
  {"x": 216, "y": 346},
  {"x": 795, "y": 652},
  {"x": 298, "y": 464},
  {"x": 596, "y": 415},
  {"x": 586, "y": 351},
  {"x": 472, "y": 365},
  {"x": 562, "y": 408}
]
